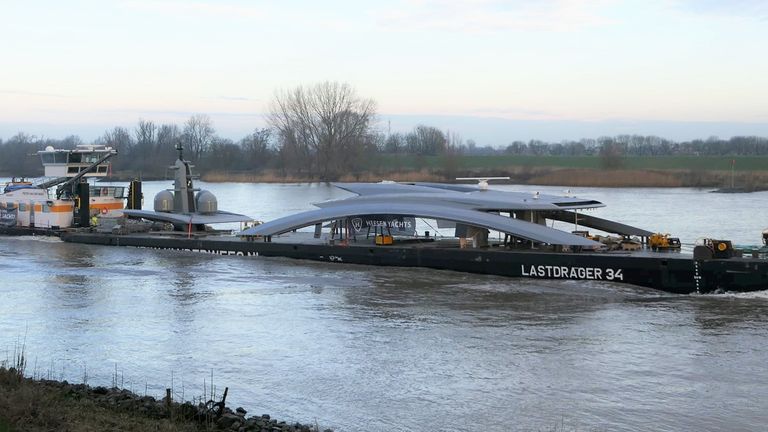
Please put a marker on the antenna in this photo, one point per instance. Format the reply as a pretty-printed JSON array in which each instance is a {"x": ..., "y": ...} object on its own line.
[
  {"x": 180, "y": 148},
  {"x": 482, "y": 182}
]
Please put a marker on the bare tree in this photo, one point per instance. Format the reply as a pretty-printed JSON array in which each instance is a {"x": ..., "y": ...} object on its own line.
[
  {"x": 145, "y": 142},
  {"x": 225, "y": 155},
  {"x": 168, "y": 135},
  {"x": 14, "y": 157},
  {"x": 426, "y": 140},
  {"x": 611, "y": 153},
  {"x": 327, "y": 122},
  {"x": 256, "y": 148},
  {"x": 198, "y": 135},
  {"x": 394, "y": 143},
  {"x": 118, "y": 138},
  {"x": 145, "y": 133}
]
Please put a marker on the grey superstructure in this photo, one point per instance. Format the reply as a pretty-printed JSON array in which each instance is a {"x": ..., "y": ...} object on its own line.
[{"x": 181, "y": 206}]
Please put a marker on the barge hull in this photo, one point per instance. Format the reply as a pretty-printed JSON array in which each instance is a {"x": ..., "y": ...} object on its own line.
[
  {"x": 663, "y": 271},
  {"x": 29, "y": 231}
]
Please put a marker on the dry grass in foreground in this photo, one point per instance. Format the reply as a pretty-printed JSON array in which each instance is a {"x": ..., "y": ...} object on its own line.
[{"x": 28, "y": 405}]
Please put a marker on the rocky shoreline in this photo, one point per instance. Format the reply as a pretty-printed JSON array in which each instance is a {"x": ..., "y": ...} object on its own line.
[{"x": 28, "y": 404}]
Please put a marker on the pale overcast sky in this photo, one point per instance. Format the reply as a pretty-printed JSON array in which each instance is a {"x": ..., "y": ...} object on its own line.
[{"x": 494, "y": 71}]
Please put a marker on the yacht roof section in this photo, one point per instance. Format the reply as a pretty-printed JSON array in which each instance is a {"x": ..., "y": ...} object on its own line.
[
  {"x": 189, "y": 218},
  {"x": 352, "y": 207},
  {"x": 599, "y": 223},
  {"x": 457, "y": 195}
]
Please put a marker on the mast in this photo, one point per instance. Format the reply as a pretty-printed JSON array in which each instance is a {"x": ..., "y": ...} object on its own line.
[{"x": 183, "y": 188}]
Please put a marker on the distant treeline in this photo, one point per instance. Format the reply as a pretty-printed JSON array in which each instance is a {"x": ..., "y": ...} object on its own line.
[
  {"x": 148, "y": 149},
  {"x": 640, "y": 145}
]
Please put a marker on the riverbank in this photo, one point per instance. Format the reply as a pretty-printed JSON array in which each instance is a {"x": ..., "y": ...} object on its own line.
[
  {"x": 42, "y": 405},
  {"x": 546, "y": 176}
]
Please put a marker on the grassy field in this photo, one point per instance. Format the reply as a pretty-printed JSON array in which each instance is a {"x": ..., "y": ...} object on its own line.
[
  {"x": 695, "y": 163},
  {"x": 750, "y": 173}
]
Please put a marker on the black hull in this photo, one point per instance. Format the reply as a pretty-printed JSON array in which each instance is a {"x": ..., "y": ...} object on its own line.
[
  {"x": 27, "y": 231},
  {"x": 670, "y": 272}
]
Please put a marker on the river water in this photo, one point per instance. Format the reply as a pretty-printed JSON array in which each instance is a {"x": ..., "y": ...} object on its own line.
[{"x": 390, "y": 349}]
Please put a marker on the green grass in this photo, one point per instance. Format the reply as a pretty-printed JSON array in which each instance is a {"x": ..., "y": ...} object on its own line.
[{"x": 388, "y": 162}]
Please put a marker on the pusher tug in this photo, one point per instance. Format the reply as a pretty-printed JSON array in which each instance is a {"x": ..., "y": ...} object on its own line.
[{"x": 63, "y": 198}]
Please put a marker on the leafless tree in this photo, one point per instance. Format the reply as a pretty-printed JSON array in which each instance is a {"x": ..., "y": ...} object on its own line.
[
  {"x": 256, "y": 148},
  {"x": 14, "y": 156},
  {"x": 225, "y": 155},
  {"x": 426, "y": 140},
  {"x": 168, "y": 135},
  {"x": 327, "y": 123},
  {"x": 611, "y": 153},
  {"x": 145, "y": 142},
  {"x": 145, "y": 133},
  {"x": 394, "y": 143},
  {"x": 198, "y": 135},
  {"x": 118, "y": 138}
]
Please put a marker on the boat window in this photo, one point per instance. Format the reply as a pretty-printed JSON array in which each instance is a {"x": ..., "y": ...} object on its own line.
[
  {"x": 75, "y": 157},
  {"x": 107, "y": 191},
  {"x": 90, "y": 158},
  {"x": 47, "y": 158},
  {"x": 73, "y": 170},
  {"x": 22, "y": 207}
]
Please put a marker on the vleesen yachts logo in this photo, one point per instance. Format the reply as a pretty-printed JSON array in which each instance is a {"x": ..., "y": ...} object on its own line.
[{"x": 400, "y": 224}]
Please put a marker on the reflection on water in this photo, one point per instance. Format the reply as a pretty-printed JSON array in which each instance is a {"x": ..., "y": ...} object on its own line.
[{"x": 367, "y": 348}]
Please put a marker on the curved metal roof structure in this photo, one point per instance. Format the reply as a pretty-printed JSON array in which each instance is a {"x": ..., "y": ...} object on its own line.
[
  {"x": 465, "y": 196},
  {"x": 187, "y": 218},
  {"x": 515, "y": 227}
]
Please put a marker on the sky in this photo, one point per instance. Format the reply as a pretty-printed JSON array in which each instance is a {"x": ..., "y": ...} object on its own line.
[{"x": 487, "y": 70}]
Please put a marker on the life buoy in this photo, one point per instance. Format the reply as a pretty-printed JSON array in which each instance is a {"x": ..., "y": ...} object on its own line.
[{"x": 103, "y": 211}]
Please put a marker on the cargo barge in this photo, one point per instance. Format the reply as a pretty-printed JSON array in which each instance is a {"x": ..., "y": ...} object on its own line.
[
  {"x": 670, "y": 272},
  {"x": 472, "y": 228}
]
